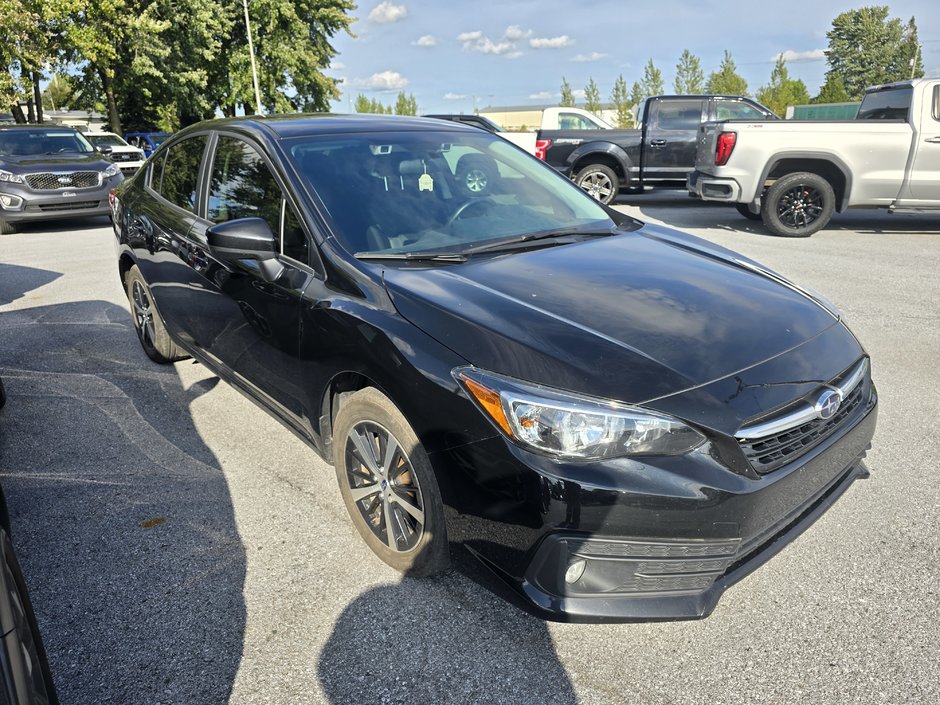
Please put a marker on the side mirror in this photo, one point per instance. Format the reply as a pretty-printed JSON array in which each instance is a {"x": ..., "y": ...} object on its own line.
[
  {"x": 246, "y": 239},
  {"x": 106, "y": 149}
]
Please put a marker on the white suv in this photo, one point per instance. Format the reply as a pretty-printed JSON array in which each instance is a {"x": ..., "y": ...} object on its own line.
[{"x": 129, "y": 159}]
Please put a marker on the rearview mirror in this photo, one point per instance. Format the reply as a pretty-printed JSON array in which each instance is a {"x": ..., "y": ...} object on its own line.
[{"x": 246, "y": 239}]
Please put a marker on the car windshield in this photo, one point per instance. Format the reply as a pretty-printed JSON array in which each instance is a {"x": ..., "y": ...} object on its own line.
[
  {"x": 106, "y": 140},
  {"x": 400, "y": 193},
  {"x": 20, "y": 142}
]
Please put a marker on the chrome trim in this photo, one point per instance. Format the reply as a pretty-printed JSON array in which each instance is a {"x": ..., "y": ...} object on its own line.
[
  {"x": 65, "y": 173},
  {"x": 804, "y": 413}
]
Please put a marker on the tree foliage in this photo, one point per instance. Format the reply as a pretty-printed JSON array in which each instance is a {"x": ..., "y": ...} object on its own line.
[
  {"x": 592, "y": 97},
  {"x": 726, "y": 80},
  {"x": 567, "y": 97},
  {"x": 620, "y": 100},
  {"x": 867, "y": 48},
  {"x": 689, "y": 77},
  {"x": 652, "y": 80},
  {"x": 782, "y": 90},
  {"x": 832, "y": 91},
  {"x": 375, "y": 107},
  {"x": 406, "y": 104}
]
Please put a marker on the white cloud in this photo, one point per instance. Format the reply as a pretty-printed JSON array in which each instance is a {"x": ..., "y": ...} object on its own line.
[
  {"x": 386, "y": 12},
  {"x": 514, "y": 33},
  {"x": 428, "y": 40},
  {"x": 541, "y": 95},
  {"x": 513, "y": 55},
  {"x": 593, "y": 56},
  {"x": 454, "y": 96},
  {"x": 551, "y": 42},
  {"x": 506, "y": 46},
  {"x": 577, "y": 93},
  {"x": 794, "y": 56},
  {"x": 337, "y": 66},
  {"x": 469, "y": 36},
  {"x": 384, "y": 81}
]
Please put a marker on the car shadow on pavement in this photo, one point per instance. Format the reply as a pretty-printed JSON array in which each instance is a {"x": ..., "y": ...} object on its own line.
[
  {"x": 419, "y": 641},
  {"x": 123, "y": 518}
]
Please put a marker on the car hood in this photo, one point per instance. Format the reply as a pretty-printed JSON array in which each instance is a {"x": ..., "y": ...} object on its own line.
[
  {"x": 29, "y": 163},
  {"x": 631, "y": 317}
]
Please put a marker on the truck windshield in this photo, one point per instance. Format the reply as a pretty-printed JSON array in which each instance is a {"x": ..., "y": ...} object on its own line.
[
  {"x": 886, "y": 104},
  {"x": 20, "y": 142}
]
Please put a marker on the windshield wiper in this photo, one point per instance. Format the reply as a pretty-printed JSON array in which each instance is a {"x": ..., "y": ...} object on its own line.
[
  {"x": 415, "y": 256},
  {"x": 563, "y": 235}
]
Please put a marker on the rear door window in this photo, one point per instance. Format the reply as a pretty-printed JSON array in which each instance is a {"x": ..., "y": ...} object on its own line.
[{"x": 179, "y": 178}]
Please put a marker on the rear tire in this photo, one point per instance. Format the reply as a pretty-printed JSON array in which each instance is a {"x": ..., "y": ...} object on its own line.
[
  {"x": 388, "y": 484},
  {"x": 798, "y": 205},
  {"x": 599, "y": 181},
  {"x": 743, "y": 209},
  {"x": 7, "y": 228},
  {"x": 151, "y": 331}
]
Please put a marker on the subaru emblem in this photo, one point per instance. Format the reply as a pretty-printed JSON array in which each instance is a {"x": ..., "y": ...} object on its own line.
[{"x": 828, "y": 404}]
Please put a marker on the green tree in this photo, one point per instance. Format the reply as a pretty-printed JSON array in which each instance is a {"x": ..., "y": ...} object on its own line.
[
  {"x": 653, "y": 80},
  {"x": 726, "y": 80},
  {"x": 362, "y": 104},
  {"x": 621, "y": 102},
  {"x": 567, "y": 97},
  {"x": 832, "y": 91},
  {"x": 592, "y": 97},
  {"x": 689, "y": 76},
  {"x": 59, "y": 92},
  {"x": 406, "y": 105},
  {"x": 782, "y": 90},
  {"x": 867, "y": 48}
]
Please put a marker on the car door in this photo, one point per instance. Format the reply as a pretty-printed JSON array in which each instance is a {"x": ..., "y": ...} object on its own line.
[
  {"x": 923, "y": 183},
  {"x": 670, "y": 140},
  {"x": 250, "y": 326},
  {"x": 161, "y": 222}
]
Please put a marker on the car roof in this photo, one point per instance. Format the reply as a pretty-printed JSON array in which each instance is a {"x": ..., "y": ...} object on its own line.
[
  {"x": 34, "y": 126},
  {"x": 301, "y": 125}
]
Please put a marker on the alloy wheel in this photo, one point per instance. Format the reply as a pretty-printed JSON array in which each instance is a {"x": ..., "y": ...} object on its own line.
[
  {"x": 143, "y": 313},
  {"x": 800, "y": 206},
  {"x": 597, "y": 185},
  {"x": 476, "y": 180},
  {"x": 384, "y": 486}
]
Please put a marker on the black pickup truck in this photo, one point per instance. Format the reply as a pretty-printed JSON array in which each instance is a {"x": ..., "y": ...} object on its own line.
[{"x": 661, "y": 152}]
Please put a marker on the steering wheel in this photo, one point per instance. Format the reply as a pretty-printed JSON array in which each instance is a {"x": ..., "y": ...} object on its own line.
[{"x": 486, "y": 201}]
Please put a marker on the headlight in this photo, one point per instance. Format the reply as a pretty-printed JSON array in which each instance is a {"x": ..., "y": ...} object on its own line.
[
  {"x": 112, "y": 170},
  {"x": 572, "y": 426},
  {"x": 12, "y": 178}
]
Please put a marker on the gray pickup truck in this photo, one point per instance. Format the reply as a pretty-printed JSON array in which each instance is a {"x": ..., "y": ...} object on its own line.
[{"x": 794, "y": 174}]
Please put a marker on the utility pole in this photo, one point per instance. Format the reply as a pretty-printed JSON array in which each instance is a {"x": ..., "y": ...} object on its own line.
[{"x": 251, "y": 52}]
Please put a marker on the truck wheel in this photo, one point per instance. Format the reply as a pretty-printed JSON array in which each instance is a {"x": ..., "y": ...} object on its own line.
[
  {"x": 797, "y": 205},
  {"x": 7, "y": 228},
  {"x": 599, "y": 181},
  {"x": 743, "y": 209}
]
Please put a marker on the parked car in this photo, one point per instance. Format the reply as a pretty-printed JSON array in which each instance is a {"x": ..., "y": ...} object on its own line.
[
  {"x": 25, "y": 678},
  {"x": 659, "y": 152},
  {"x": 128, "y": 158},
  {"x": 794, "y": 174},
  {"x": 146, "y": 141},
  {"x": 612, "y": 419},
  {"x": 48, "y": 173}
]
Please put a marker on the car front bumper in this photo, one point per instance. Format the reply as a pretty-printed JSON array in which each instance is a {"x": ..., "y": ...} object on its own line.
[
  {"x": 660, "y": 539},
  {"x": 713, "y": 188},
  {"x": 58, "y": 203}
]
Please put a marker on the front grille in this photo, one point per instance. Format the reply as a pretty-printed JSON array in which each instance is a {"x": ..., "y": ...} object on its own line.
[
  {"x": 771, "y": 452},
  {"x": 124, "y": 157},
  {"x": 52, "y": 181},
  {"x": 70, "y": 206}
]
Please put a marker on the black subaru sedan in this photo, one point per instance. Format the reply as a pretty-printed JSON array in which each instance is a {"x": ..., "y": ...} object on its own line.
[{"x": 606, "y": 419}]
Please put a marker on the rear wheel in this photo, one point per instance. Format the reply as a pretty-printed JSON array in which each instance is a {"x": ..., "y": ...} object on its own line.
[
  {"x": 798, "y": 205},
  {"x": 388, "y": 485},
  {"x": 599, "y": 181},
  {"x": 151, "y": 331}
]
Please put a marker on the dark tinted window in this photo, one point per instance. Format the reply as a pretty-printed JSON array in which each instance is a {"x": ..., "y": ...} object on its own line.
[
  {"x": 242, "y": 186},
  {"x": 736, "y": 110},
  {"x": 181, "y": 172},
  {"x": 679, "y": 115},
  {"x": 890, "y": 104}
]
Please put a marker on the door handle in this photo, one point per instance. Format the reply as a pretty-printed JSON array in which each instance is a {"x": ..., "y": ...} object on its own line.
[
  {"x": 657, "y": 143},
  {"x": 934, "y": 140}
]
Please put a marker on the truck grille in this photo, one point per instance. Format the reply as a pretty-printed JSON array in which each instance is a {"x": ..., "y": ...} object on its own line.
[
  {"x": 772, "y": 449},
  {"x": 51, "y": 181},
  {"x": 125, "y": 157}
]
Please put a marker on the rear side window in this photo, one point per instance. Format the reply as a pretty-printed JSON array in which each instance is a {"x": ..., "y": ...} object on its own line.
[
  {"x": 180, "y": 175},
  {"x": 890, "y": 104},
  {"x": 678, "y": 115},
  {"x": 573, "y": 121},
  {"x": 736, "y": 110},
  {"x": 242, "y": 186}
]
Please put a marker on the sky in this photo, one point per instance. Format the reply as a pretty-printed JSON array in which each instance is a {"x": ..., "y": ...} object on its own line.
[{"x": 457, "y": 55}]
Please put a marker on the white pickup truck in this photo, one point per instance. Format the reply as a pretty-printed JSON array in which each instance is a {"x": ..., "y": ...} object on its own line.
[{"x": 793, "y": 174}]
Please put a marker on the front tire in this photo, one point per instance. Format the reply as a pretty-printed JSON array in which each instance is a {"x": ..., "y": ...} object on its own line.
[
  {"x": 798, "y": 205},
  {"x": 151, "y": 331},
  {"x": 744, "y": 210},
  {"x": 599, "y": 181},
  {"x": 388, "y": 484}
]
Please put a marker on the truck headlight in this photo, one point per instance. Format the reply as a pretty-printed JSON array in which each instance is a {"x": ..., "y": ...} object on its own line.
[
  {"x": 572, "y": 426},
  {"x": 112, "y": 170},
  {"x": 10, "y": 177}
]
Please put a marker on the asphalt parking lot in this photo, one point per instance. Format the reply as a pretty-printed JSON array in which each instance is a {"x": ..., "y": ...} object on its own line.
[{"x": 182, "y": 547}]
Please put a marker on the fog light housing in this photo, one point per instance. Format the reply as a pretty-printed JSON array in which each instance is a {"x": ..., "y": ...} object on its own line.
[
  {"x": 10, "y": 202},
  {"x": 575, "y": 571}
]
